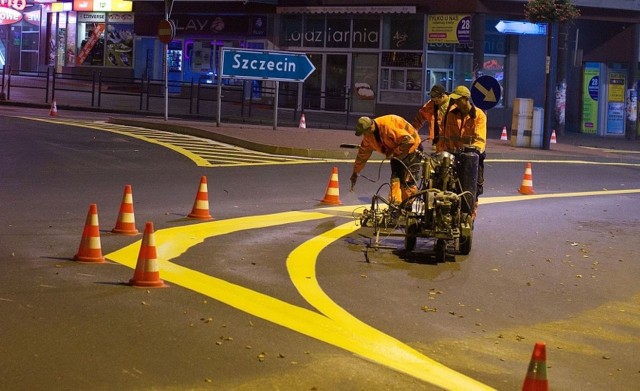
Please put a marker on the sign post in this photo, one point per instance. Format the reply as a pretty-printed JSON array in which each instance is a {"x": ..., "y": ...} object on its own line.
[{"x": 263, "y": 65}]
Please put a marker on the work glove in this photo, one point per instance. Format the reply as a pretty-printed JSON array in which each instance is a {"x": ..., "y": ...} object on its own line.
[{"x": 354, "y": 179}]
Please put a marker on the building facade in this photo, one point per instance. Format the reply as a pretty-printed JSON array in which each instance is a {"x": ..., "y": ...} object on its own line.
[{"x": 371, "y": 57}]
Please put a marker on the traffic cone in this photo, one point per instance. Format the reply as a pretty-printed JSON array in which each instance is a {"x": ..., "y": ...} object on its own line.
[
  {"x": 147, "y": 273},
  {"x": 536, "y": 379},
  {"x": 126, "y": 223},
  {"x": 526, "y": 187},
  {"x": 553, "y": 137},
  {"x": 90, "y": 249},
  {"x": 303, "y": 122},
  {"x": 503, "y": 136},
  {"x": 201, "y": 205},
  {"x": 53, "y": 112},
  {"x": 332, "y": 195}
]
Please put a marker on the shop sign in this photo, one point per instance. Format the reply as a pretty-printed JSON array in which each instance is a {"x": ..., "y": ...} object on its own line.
[
  {"x": 365, "y": 34},
  {"x": 125, "y": 18},
  {"x": 17, "y": 5},
  {"x": 32, "y": 17},
  {"x": 59, "y": 7},
  {"x": 188, "y": 24},
  {"x": 91, "y": 17},
  {"x": 102, "y": 5},
  {"x": 9, "y": 16}
]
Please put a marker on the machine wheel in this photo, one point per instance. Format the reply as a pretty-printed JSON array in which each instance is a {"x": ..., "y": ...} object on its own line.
[
  {"x": 412, "y": 229},
  {"x": 441, "y": 250},
  {"x": 465, "y": 242}
]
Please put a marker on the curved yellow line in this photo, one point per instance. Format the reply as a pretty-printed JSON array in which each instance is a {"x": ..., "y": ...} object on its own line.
[
  {"x": 359, "y": 337},
  {"x": 343, "y": 331}
]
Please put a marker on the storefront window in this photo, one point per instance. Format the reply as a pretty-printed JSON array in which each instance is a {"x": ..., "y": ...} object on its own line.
[
  {"x": 104, "y": 39},
  {"x": 90, "y": 33},
  {"x": 403, "y": 32},
  {"x": 401, "y": 64},
  {"x": 119, "y": 38}
]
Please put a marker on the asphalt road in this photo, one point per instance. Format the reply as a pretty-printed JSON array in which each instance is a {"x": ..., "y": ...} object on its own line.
[{"x": 556, "y": 267}]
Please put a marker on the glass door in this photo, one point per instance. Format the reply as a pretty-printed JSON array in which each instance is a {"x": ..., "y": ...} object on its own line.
[
  {"x": 336, "y": 82},
  {"x": 326, "y": 87},
  {"x": 443, "y": 77}
]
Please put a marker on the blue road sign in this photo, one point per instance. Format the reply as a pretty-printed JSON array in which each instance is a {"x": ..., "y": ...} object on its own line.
[
  {"x": 515, "y": 27},
  {"x": 486, "y": 92},
  {"x": 262, "y": 64}
]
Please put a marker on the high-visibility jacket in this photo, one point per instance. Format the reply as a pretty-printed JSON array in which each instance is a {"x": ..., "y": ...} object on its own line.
[
  {"x": 432, "y": 114},
  {"x": 392, "y": 137},
  {"x": 463, "y": 130}
]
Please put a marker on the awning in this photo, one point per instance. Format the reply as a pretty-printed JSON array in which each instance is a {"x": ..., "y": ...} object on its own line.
[{"x": 408, "y": 9}]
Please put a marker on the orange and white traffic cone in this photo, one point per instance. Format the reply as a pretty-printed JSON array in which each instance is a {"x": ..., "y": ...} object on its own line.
[
  {"x": 303, "y": 122},
  {"x": 126, "y": 223},
  {"x": 147, "y": 273},
  {"x": 332, "y": 194},
  {"x": 53, "y": 112},
  {"x": 200, "y": 208},
  {"x": 503, "y": 136},
  {"x": 536, "y": 379},
  {"x": 90, "y": 250},
  {"x": 553, "y": 137},
  {"x": 526, "y": 187}
]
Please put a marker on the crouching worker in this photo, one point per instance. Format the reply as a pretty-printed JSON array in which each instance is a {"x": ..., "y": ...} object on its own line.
[{"x": 393, "y": 137}]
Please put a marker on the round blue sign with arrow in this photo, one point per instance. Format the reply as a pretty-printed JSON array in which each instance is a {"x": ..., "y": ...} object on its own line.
[{"x": 486, "y": 92}]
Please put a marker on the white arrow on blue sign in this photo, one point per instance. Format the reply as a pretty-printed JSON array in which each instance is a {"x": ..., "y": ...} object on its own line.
[
  {"x": 515, "y": 27},
  {"x": 262, "y": 64}
]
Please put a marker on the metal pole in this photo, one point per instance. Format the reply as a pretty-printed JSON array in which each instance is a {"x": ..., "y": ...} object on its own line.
[
  {"x": 275, "y": 106},
  {"x": 165, "y": 68},
  {"x": 219, "y": 88},
  {"x": 550, "y": 92}
]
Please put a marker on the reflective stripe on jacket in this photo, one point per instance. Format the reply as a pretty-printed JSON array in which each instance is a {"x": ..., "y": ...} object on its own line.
[
  {"x": 397, "y": 139},
  {"x": 463, "y": 130}
]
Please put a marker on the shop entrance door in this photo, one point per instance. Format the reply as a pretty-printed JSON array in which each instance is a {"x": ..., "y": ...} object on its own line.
[{"x": 326, "y": 87}]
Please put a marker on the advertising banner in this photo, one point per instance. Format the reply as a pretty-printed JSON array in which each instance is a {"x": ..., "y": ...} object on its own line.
[
  {"x": 449, "y": 28},
  {"x": 615, "y": 106},
  {"x": 590, "y": 91}
]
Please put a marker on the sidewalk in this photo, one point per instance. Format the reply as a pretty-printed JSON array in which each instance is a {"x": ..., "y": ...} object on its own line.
[
  {"x": 325, "y": 143},
  {"x": 323, "y": 137}
]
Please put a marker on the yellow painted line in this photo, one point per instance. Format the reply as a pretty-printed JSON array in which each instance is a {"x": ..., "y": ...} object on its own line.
[
  {"x": 359, "y": 337},
  {"x": 199, "y": 161},
  {"x": 344, "y": 331},
  {"x": 584, "y": 162},
  {"x": 611, "y": 150},
  {"x": 515, "y": 198}
]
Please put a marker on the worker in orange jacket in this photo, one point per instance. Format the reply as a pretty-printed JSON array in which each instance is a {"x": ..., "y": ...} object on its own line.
[
  {"x": 465, "y": 126},
  {"x": 397, "y": 140},
  {"x": 433, "y": 112}
]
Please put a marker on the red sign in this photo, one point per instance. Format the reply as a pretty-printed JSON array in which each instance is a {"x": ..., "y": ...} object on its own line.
[
  {"x": 18, "y": 5},
  {"x": 82, "y": 5},
  {"x": 166, "y": 31},
  {"x": 9, "y": 16}
]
